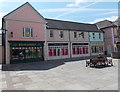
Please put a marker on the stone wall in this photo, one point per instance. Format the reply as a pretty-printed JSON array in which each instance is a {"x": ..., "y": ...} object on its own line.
[{"x": 115, "y": 55}]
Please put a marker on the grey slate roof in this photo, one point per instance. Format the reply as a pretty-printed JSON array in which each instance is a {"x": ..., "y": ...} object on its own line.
[
  {"x": 68, "y": 25},
  {"x": 105, "y": 24},
  {"x": 117, "y": 22}
]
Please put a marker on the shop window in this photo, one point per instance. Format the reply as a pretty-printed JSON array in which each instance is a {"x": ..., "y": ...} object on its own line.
[
  {"x": 101, "y": 49},
  {"x": 93, "y": 49},
  {"x": 78, "y": 51},
  {"x": 63, "y": 51},
  {"x": 73, "y": 50},
  {"x": 61, "y": 34},
  {"x": 54, "y": 52},
  {"x": 83, "y": 50},
  {"x": 50, "y": 52},
  {"x": 86, "y": 50},
  {"x": 75, "y": 34},
  {"x": 66, "y": 53},
  {"x": 27, "y": 32},
  {"x": 97, "y": 49},
  {"x": 51, "y": 33},
  {"x": 21, "y": 53}
]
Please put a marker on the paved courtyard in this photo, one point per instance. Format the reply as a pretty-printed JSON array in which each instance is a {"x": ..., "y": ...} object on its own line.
[{"x": 71, "y": 75}]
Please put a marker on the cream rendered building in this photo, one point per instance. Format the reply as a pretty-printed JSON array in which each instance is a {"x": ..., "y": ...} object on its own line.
[{"x": 65, "y": 39}]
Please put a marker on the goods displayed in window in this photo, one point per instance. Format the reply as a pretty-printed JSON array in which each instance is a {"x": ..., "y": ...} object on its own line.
[
  {"x": 80, "y": 50},
  {"x": 26, "y": 50},
  {"x": 58, "y": 50},
  {"x": 97, "y": 49},
  {"x": 25, "y": 53}
]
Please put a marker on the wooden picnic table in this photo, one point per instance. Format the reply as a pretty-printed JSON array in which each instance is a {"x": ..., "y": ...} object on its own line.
[{"x": 99, "y": 62}]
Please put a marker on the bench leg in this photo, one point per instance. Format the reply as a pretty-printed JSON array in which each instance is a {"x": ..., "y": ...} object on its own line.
[{"x": 111, "y": 63}]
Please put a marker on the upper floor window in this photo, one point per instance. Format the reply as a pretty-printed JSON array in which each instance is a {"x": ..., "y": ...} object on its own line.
[
  {"x": 93, "y": 35},
  {"x": 83, "y": 35},
  {"x": 99, "y": 35},
  {"x": 75, "y": 34},
  {"x": 61, "y": 34},
  {"x": 27, "y": 32},
  {"x": 51, "y": 33}
]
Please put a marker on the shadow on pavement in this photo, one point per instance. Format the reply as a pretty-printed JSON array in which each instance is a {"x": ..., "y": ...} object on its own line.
[{"x": 42, "y": 65}]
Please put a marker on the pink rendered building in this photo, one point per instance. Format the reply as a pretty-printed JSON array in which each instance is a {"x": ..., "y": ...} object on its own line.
[{"x": 25, "y": 35}]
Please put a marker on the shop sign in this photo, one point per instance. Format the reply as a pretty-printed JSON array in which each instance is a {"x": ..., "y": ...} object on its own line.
[{"x": 25, "y": 44}]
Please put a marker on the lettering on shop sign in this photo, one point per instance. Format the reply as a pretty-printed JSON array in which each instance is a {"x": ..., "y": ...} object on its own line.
[
  {"x": 57, "y": 44},
  {"x": 25, "y": 44},
  {"x": 80, "y": 44}
]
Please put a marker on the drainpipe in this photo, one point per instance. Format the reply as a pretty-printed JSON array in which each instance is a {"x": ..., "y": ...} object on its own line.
[
  {"x": 89, "y": 44},
  {"x": 70, "y": 45},
  {"x": 45, "y": 46},
  {"x": 113, "y": 38}
]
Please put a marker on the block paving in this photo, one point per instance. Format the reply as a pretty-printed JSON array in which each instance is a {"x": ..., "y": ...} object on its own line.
[{"x": 71, "y": 75}]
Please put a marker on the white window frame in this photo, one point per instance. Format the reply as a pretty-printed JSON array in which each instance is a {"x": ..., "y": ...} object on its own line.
[
  {"x": 24, "y": 33},
  {"x": 51, "y": 34},
  {"x": 61, "y": 34}
]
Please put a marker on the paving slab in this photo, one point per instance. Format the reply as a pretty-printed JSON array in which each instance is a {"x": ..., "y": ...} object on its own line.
[{"x": 71, "y": 75}]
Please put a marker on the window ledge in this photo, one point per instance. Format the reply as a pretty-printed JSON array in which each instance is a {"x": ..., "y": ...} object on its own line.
[{"x": 27, "y": 37}]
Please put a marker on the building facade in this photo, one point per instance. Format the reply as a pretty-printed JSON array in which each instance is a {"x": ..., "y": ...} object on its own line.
[
  {"x": 57, "y": 44},
  {"x": 111, "y": 35},
  {"x": 117, "y": 34},
  {"x": 30, "y": 37},
  {"x": 25, "y": 35},
  {"x": 67, "y": 39},
  {"x": 79, "y": 43},
  {"x": 96, "y": 43}
]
